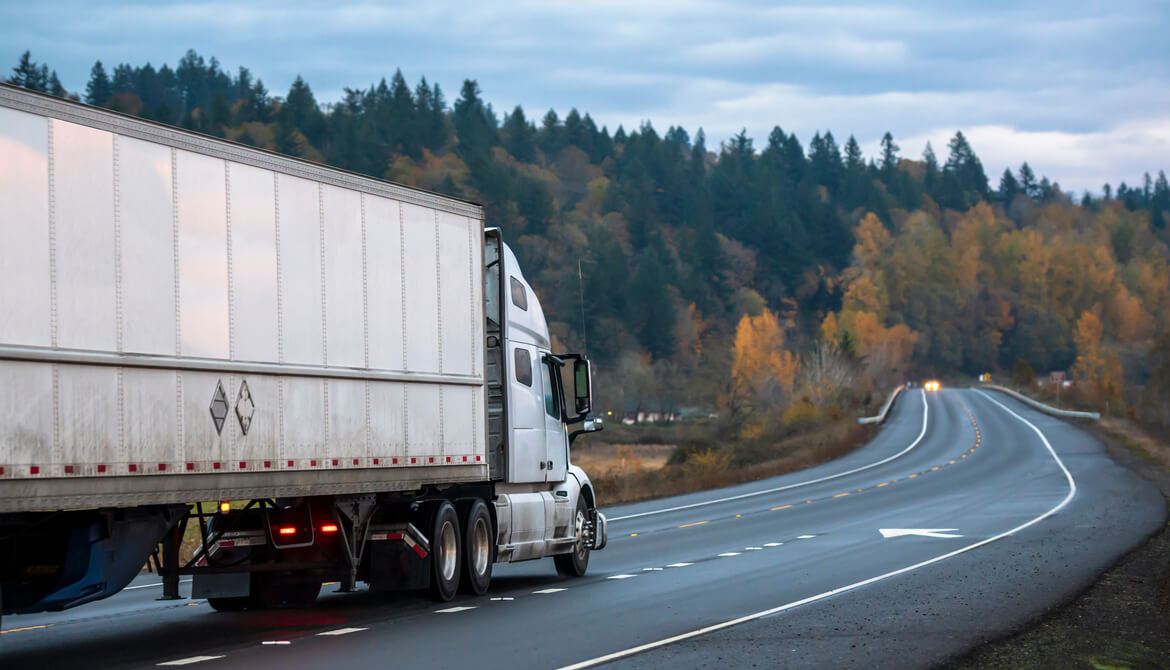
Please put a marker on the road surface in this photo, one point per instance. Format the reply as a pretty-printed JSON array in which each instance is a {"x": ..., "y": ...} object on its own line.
[{"x": 967, "y": 516}]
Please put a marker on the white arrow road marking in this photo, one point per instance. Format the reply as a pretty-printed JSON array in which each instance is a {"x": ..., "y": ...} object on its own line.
[{"x": 924, "y": 532}]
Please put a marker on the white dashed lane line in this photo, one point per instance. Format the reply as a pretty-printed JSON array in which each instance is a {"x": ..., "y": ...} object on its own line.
[
  {"x": 190, "y": 660},
  {"x": 452, "y": 610},
  {"x": 549, "y": 591},
  {"x": 729, "y": 553},
  {"x": 679, "y": 565},
  {"x": 275, "y": 642},
  {"x": 806, "y": 537},
  {"x": 502, "y": 598},
  {"x": 342, "y": 631},
  {"x": 620, "y": 576}
]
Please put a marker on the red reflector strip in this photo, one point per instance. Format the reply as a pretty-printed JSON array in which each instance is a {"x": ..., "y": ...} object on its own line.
[
  {"x": 34, "y": 470},
  {"x": 287, "y": 531},
  {"x": 133, "y": 467},
  {"x": 227, "y": 543},
  {"x": 68, "y": 469},
  {"x": 190, "y": 467},
  {"x": 422, "y": 553},
  {"x": 162, "y": 467},
  {"x": 101, "y": 469},
  {"x": 329, "y": 528}
]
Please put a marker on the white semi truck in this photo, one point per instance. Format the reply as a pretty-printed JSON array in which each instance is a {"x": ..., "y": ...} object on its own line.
[{"x": 355, "y": 374}]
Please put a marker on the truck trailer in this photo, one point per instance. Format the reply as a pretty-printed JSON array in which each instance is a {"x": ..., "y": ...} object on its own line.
[{"x": 331, "y": 376}]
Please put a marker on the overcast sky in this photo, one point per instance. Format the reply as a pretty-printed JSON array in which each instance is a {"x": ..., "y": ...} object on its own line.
[{"x": 1079, "y": 89}]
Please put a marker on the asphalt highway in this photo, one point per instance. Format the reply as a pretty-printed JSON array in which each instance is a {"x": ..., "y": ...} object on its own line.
[{"x": 966, "y": 517}]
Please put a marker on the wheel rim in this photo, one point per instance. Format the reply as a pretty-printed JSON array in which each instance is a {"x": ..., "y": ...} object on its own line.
[
  {"x": 481, "y": 547},
  {"x": 448, "y": 560},
  {"x": 582, "y": 535}
]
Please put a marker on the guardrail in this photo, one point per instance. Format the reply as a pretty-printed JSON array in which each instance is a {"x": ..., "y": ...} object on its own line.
[
  {"x": 1047, "y": 409},
  {"x": 881, "y": 417}
]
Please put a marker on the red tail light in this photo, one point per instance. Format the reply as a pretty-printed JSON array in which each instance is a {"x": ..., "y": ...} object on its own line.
[
  {"x": 329, "y": 528},
  {"x": 288, "y": 530}
]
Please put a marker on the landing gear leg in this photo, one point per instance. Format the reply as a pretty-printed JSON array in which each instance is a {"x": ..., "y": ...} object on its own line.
[{"x": 170, "y": 560}]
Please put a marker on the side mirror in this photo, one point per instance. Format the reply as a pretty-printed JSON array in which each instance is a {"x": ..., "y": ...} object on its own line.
[
  {"x": 586, "y": 426},
  {"x": 582, "y": 387}
]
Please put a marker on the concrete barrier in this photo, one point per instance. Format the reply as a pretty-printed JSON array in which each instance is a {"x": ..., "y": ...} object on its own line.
[
  {"x": 1035, "y": 404},
  {"x": 881, "y": 417}
]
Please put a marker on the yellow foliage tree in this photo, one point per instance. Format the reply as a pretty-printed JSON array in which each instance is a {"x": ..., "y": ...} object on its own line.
[{"x": 761, "y": 367}]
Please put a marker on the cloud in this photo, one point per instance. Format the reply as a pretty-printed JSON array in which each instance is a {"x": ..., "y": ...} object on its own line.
[{"x": 1066, "y": 79}]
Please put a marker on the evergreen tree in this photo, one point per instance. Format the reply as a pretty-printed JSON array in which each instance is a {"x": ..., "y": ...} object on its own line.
[
  {"x": 28, "y": 74},
  {"x": 55, "y": 86},
  {"x": 930, "y": 176},
  {"x": 889, "y": 156},
  {"x": 1028, "y": 184},
  {"x": 518, "y": 136},
  {"x": 1008, "y": 187},
  {"x": 98, "y": 90}
]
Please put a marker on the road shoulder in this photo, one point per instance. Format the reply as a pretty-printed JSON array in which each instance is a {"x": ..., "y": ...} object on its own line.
[{"x": 1123, "y": 619}]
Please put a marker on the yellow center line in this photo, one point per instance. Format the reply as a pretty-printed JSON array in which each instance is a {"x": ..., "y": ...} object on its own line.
[
  {"x": 951, "y": 463},
  {"x": 883, "y": 484},
  {"x": 913, "y": 476},
  {"x": 781, "y": 507},
  {"x": 697, "y": 523},
  {"x": 20, "y": 630},
  {"x": 840, "y": 495}
]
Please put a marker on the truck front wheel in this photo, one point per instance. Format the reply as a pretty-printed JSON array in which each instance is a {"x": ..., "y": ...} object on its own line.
[
  {"x": 576, "y": 562},
  {"x": 445, "y": 553}
]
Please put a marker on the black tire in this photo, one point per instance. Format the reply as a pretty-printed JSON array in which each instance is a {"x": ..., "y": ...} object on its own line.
[
  {"x": 229, "y": 604},
  {"x": 446, "y": 549},
  {"x": 576, "y": 562},
  {"x": 479, "y": 541}
]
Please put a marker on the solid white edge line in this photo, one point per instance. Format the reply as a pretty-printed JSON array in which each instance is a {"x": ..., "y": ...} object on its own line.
[
  {"x": 925, "y": 416},
  {"x": 147, "y": 586},
  {"x": 1072, "y": 490}
]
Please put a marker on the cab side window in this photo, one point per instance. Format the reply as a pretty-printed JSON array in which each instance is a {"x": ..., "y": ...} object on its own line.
[
  {"x": 551, "y": 406},
  {"x": 523, "y": 366},
  {"x": 519, "y": 295}
]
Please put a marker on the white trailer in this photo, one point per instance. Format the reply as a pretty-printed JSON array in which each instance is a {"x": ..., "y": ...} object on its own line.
[{"x": 184, "y": 319}]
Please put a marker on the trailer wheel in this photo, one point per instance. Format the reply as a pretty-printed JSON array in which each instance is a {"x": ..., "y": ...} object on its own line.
[
  {"x": 478, "y": 541},
  {"x": 575, "y": 563},
  {"x": 445, "y": 551}
]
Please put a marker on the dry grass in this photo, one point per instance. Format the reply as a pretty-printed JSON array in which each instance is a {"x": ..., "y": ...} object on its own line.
[
  {"x": 713, "y": 468},
  {"x": 1137, "y": 439},
  {"x": 622, "y": 458}
]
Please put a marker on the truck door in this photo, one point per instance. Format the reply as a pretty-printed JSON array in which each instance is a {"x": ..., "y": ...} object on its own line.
[
  {"x": 556, "y": 440},
  {"x": 527, "y": 460}
]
